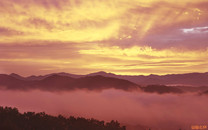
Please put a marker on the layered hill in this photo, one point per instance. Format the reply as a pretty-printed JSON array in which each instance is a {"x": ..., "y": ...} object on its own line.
[
  {"x": 175, "y": 83},
  {"x": 55, "y": 82},
  {"x": 189, "y": 79}
]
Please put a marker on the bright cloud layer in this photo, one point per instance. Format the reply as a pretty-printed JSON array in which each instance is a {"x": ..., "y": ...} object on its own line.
[{"x": 120, "y": 36}]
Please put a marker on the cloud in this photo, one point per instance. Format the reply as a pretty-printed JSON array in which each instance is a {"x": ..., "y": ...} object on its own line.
[
  {"x": 196, "y": 30},
  {"x": 39, "y": 23},
  {"x": 78, "y": 21},
  {"x": 9, "y": 32},
  {"x": 129, "y": 32},
  {"x": 48, "y": 57},
  {"x": 146, "y": 58},
  {"x": 167, "y": 111}
]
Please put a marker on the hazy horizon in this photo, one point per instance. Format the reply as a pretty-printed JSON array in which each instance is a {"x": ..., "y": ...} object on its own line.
[{"x": 9, "y": 73}]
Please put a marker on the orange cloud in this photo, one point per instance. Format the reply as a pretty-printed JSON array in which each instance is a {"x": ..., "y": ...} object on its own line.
[
  {"x": 137, "y": 59},
  {"x": 120, "y": 36},
  {"x": 78, "y": 21}
]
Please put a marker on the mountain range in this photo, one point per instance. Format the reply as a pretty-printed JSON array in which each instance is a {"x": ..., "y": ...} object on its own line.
[
  {"x": 173, "y": 83},
  {"x": 188, "y": 79},
  {"x": 56, "y": 82}
]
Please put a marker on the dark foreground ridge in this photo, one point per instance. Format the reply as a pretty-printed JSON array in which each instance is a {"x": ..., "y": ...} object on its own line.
[{"x": 11, "y": 119}]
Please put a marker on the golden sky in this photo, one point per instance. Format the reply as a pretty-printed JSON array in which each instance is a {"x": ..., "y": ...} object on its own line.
[{"x": 120, "y": 36}]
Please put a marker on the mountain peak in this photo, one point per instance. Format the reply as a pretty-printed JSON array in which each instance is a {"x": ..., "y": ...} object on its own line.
[
  {"x": 16, "y": 76},
  {"x": 102, "y": 73},
  {"x": 99, "y": 72}
]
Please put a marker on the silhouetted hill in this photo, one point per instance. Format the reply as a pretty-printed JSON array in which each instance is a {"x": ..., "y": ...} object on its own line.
[
  {"x": 10, "y": 82},
  {"x": 17, "y": 76},
  {"x": 102, "y": 80},
  {"x": 105, "y": 82},
  {"x": 192, "y": 89},
  {"x": 102, "y": 73},
  {"x": 189, "y": 79},
  {"x": 54, "y": 82},
  {"x": 41, "y": 77},
  {"x": 88, "y": 82},
  {"x": 11, "y": 119},
  {"x": 204, "y": 93},
  {"x": 161, "y": 89},
  {"x": 57, "y": 82},
  {"x": 33, "y": 77},
  {"x": 70, "y": 75}
]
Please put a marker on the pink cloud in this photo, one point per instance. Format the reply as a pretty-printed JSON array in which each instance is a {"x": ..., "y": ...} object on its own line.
[{"x": 167, "y": 111}]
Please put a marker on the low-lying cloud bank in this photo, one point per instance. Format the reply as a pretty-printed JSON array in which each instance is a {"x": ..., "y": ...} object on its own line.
[{"x": 167, "y": 111}]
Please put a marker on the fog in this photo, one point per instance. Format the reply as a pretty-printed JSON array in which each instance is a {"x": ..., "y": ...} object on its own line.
[{"x": 166, "y": 111}]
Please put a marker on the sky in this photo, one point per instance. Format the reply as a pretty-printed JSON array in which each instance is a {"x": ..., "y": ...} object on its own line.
[{"x": 127, "y": 37}]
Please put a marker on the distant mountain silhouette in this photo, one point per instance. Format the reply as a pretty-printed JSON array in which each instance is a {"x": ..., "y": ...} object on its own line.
[
  {"x": 161, "y": 89},
  {"x": 10, "y": 82},
  {"x": 103, "y": 73},
  {"x": 189, "y": 79},
  {"x": 175, "y": 83},
  {"x": 206, "y": 92},
  {"x": 192, "y": 89},
  {"x": 57, "y": 82},
  {"x": 89, "y": 82},
  {"x": 17, "y": 76}
]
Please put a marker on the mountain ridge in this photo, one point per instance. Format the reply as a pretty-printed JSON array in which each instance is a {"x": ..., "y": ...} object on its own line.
[
  {"x": 187, "y": 79},
  {"x": 102, "y": 80},
  {"x": 56, "y": 82}
]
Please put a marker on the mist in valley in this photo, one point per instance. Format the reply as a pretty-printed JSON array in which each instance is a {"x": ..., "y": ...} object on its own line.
[{"x": 131, "y": 108}]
